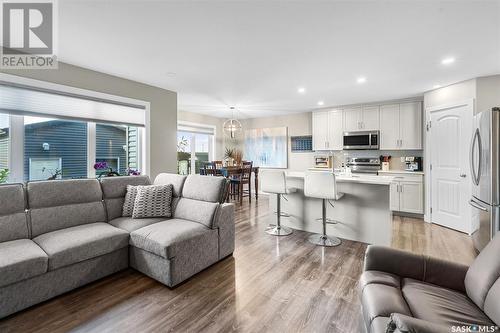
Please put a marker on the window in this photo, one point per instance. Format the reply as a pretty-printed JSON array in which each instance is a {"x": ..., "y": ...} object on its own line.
[
  {"x": 61, "y": 133},
  {"x": 54, "y": 149},
  {"x": 117, "y": 147},
  {"x": 195, "y": 146},
  {"x": 4, "y": 147}
]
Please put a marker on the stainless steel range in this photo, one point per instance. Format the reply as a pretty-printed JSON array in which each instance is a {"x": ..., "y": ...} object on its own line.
[{"x": 364, "y": 164}]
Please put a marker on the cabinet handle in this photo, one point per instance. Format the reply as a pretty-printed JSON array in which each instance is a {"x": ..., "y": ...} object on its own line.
[{"x": 401, "y": 143}]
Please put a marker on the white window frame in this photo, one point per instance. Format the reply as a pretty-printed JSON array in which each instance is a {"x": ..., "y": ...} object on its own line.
[
  {"x": 16, "y": 146},
  {"x": 211, "y": 142}
]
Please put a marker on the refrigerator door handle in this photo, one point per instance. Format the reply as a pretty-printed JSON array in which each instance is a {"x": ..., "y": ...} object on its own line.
[
  {"x": 476, "y": 174},
  {"x": 476, "y": 205}
]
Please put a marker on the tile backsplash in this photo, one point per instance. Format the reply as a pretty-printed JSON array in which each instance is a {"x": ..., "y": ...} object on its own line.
[{"x": 339, "y": 157}]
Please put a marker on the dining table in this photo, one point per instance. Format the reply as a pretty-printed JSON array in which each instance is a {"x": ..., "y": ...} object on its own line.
[{"x": 229, "y": 171}]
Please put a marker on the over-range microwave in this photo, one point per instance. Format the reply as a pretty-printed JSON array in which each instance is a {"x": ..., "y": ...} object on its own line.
[{"x": 361, "y": 140}]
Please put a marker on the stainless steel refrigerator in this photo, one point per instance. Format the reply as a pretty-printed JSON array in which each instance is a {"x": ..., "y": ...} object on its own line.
[{"x": 485, "y": 174}]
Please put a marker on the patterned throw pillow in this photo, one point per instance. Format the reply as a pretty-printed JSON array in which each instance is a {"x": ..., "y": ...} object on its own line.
[
  {"x": 153, "y": 201},
  {"x": 128, "y": 204}
]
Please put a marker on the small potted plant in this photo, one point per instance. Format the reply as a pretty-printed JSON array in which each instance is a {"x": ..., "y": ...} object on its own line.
[
  {"x": 133, "y": 172},
  {"x": 103, "y": 170},
  {"x": 4, "y": 174}
]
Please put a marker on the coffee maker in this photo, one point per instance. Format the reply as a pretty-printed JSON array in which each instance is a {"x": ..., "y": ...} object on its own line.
[{"x": 413, "y": 163}]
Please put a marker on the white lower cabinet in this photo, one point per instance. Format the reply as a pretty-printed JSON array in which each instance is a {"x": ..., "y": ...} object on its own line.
[{"x": 407, "y": 194}]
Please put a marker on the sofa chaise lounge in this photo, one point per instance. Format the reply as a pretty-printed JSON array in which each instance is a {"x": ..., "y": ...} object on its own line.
[{"x": 58, "y": 235}]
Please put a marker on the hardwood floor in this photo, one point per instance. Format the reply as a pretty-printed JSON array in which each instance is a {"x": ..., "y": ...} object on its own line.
[{"x": 270, "y": 285}]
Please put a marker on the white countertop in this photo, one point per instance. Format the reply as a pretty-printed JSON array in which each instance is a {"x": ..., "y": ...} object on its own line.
[
  {"x": 402, "y": 171},
  {"x": 351, "y": 178}
]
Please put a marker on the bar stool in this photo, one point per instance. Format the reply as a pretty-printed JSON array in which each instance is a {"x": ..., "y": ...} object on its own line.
[
  {"x": 274, "y": 181},
  {"x": 322, "y": 185}
]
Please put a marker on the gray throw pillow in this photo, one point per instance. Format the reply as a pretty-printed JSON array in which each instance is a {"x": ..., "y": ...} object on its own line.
[
  {"x": 128, "y": 204},
  {"x": 153, "y": 201}
]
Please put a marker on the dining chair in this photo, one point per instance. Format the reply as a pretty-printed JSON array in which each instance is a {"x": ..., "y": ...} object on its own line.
[
  {"x": 243, "y": 179},
  {"x": 209, "y": 169},
  {"x": 218, "y": 165}
]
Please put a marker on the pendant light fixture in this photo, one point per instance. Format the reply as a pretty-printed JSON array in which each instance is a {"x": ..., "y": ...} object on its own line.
[{"x": 232, "y": 125}]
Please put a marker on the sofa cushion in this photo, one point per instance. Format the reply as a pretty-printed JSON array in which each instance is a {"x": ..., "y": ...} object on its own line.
[
  {"x": 380, "y": 300},
  {"x": 76, "y": 244},
  {"x": 13, "y": 222},
  {"x": 128, "y": 202},
  {"x": 177, "y": 182},
  {"x": 169, "y": 238},
  {"x": 114, "y": 190},
  {"x": 440, "y": 305},
  {"x": 484, "y": 272},
  {"x": 19, "y": 260},
  {"x": 60, "y": 204},
  {"x": 204, "y": 188},
  {"x": 129, "y": 224},
  {"x": 194, "y": 210},
  {"x": 153, "y": 201}
]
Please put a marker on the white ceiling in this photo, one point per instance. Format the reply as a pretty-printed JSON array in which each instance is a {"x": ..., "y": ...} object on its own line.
[{"x": 255, "y": 54}]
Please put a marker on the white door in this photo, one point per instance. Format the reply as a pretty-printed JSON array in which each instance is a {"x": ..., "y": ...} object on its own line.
[
  {"x": 320, "y": 130},
  {"x": 410, "y": 122},
  {"x": 389, "y": 127},
  {"x": 394, "y": 196},
  {"x": 371, "y": 118},
  {"x": 352, "y": 119},
  {"x": 335, "y": 130},
  {"x": 411, "y": 198},
  {"x": 450, "y": 135}
]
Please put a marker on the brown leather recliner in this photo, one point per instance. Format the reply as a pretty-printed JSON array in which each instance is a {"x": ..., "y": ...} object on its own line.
[{"x": 406, "y": 292}]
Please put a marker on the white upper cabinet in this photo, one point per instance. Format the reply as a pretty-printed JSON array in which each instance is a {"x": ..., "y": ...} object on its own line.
[
  {"x": 370, "y": 120},
  {"x": 364, "y": 118},
  {"x": 401, "y": 126},
  {"x": 389, "y": 127},
  {"x": 320, "y": 130},
  {"x": 335, "y": 130},
  {"x": 352, "y": 119},
  {"x": 327, "y": 129},
  {"x": 410, "y": 122}
]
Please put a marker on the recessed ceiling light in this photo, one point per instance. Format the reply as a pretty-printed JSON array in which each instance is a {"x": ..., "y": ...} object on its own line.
[
  {"x": 447, "y": 61},
  {"x": 321, "y": 103},
  {"x": 301, "y": 90},
  {"x": 436, "y": 86},
  {"x": 361, "y": 79}
]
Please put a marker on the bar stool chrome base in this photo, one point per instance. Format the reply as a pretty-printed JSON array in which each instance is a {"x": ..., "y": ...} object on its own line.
[
  {"x": 278, "y": 231},
  {"x": 324, "y": 240}
]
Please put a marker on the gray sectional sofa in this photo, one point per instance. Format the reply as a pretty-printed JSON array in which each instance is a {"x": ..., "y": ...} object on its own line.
[{"x": 58, "y": 235}]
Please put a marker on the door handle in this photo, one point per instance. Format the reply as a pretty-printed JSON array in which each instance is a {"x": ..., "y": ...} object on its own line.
[
  {"x": 476, "y": 205},
  {"x": 476, "y": 174},
  {"x": 463, "y": 175}
]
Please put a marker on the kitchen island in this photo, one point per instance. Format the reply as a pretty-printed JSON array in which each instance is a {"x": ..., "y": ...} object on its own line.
[{"x": 363, "y": 212}]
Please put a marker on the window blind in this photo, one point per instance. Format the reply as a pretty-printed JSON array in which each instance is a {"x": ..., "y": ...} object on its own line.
[
  {"x": 199, "y": 129},
  {"x": 24, "y": 101}
]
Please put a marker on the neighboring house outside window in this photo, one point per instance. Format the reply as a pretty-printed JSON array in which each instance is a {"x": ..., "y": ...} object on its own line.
[{"x": 47, "y": 141}]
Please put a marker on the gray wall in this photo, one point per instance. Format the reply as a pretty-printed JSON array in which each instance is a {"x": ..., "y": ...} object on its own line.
[
  {"x": 163, "y": 105},
  {"x": 488, "y": 92}
]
